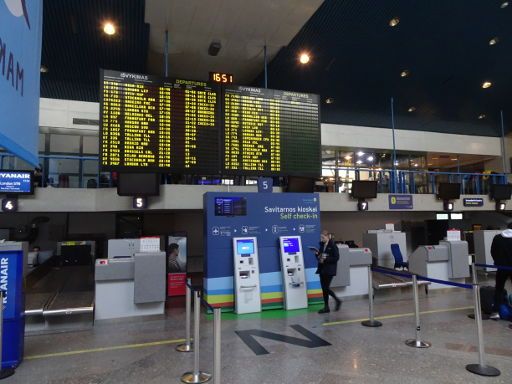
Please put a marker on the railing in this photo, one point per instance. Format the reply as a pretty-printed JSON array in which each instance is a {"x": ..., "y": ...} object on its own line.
[{"x": 389, "y": 181}]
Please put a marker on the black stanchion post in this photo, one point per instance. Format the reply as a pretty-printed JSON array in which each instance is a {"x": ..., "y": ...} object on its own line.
[
  {"x": 481, "y": 368},
  {"x": 4, "y": 372},
  {"x": 417, "y": 342},
  {"x": 371, "y": 322},
  {"x": 187, "y": 346},
  {"x": 196, "y": 377}
]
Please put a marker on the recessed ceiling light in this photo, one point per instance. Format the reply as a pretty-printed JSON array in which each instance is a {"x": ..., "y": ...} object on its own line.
[
  {"x": 415, "y": 164},
  {"x": 394, "y": 22},
  {"x": 370, "y": 158},
  {"x": 359, "y": 162},
  {"x": 329, "y": 100},
  {"x": 481, "y": 116},
  {"x": 348, "y": 157},
  {"x": 454, "y": 159},
  {"x": 435, "y": 158},
  {"x": 411, "y": 109},
  {"x": 304, "y": 58},
  {"x": 360, "y": 153},
  {"x": 396, "y": 162},
  {"x": 109, "y": 28},
  {"x": 44, "y": 69},
  {"x": 429, "y": 164},
  {"x": 494, "y": 40},
  {"x": 504, "y": 4},
  {"x": 405, "y": 73},
  {"x": 486, "y": 84}
]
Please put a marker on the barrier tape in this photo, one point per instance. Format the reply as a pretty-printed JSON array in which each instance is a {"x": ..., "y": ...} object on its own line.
[
  {"x": 391, "y": 272},
  {"x": 495, "y": 266},
  {"x": 452, "y": 283}
]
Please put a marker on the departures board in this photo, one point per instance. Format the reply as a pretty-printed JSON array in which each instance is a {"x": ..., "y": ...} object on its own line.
[
  {"x": 148, "y": 123},
  {"x": 270, "y": 132},
  {"x": 160, "y": 125}
]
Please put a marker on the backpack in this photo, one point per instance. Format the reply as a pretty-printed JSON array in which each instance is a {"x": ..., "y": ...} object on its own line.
[{"x": 487, "y": 299}]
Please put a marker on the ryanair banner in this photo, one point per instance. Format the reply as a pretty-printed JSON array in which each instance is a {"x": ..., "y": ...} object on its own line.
[{"x": 20, "y": 63}]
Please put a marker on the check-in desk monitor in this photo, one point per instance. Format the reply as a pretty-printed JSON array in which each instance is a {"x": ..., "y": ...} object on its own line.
[
  {"x": 292, "y": 267},
  {"x": 247, "y": 275}
]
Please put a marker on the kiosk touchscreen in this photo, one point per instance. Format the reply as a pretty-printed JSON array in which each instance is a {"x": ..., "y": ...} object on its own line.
[
  {"x": 247, "y": 275},
  {"x": 294, "y": 278}
]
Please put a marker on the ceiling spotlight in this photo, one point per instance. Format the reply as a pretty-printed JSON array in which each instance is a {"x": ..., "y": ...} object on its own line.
[
  {"x": 348, "y": 157},
  {"x": 494, "y": 40},
  {"x": 435, "y": 158},
  {"x": 359, "y": 162},
  {"x": 44, "y": 69},
  {"x": 454, "y": 159},
  {"x": 396, "y": 163},
  {"x": 304, "y": 58},
  {"x": 329, "y": 100},
  {"x": 370, "y": 158},
  {"x": 415, "y": 164},
  {"x": 360, "y": 153},
  {"x": 109, "y": 28},
  {"x": 394, "y": 22},
  {"x": 411, "y": 109},
  {"x": 504, "y": 4},
  {"x": 405, "y": 73},
  {"x": 481, "y": 116},
  {"x": 429, "y": 164},
  {"x": 486, "y": 84}
]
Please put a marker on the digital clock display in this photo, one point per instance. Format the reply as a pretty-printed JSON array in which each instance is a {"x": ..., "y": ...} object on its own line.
[{"x": 222, "y": 78}]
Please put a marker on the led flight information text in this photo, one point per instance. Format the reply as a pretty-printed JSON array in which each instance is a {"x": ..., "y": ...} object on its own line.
[
  {"x": 148, "y": 123},
  {"x": 270, "y": 132}
]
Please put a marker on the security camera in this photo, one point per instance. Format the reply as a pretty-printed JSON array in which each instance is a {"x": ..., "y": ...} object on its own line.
[{"x": 214, "y": 48}]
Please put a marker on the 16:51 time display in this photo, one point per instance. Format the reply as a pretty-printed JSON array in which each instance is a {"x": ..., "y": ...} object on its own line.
[{"x": 223, "y": 78}]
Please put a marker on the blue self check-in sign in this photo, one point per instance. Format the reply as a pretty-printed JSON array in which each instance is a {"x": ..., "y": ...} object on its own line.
[
  {"x": 400, "y": 202},
  {"x": 16, "y": 182}
]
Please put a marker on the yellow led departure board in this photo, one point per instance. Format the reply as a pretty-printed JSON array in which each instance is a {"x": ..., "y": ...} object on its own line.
[
  {"x": 270, "y": 132},
  {"x": 158, "y": 125}
]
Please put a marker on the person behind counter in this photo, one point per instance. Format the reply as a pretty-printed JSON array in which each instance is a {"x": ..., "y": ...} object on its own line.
[
  {"x": 328, "y": 256},
  {"x": 501, "y": 252}
]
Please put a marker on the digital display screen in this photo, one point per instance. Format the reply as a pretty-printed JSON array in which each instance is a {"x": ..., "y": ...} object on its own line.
[
  {"x": 363, "y": 189},
  {"x": 138, "y": 184},
  {"x": 442, "y": 216},
  {"x": 269, "y": 132},
  {"x": 230, "y": 206},
  {"x": 16, "y": 182},
  {"x": 291, "y": 245},
  {"x": 245, "y": 247},
  {"x": 154, "y": 124}
]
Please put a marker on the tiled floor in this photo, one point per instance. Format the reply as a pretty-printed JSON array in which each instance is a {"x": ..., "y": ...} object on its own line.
[{"x": 356, "y": 355}]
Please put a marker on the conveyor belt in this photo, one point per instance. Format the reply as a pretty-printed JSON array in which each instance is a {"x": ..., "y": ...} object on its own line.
[
  {"x": 383, "y": 281},
  {"x": 35, "y": 303},
  {"x": 70, "y": 303}
]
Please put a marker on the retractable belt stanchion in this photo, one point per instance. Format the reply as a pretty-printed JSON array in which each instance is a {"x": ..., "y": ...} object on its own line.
[
  {"x": 417, "y": 342},
  {"x": 216, "y": 345},
  {"x": 484, "y": 316},
  {"x": 196, "y": 376},
  {"x": 187, "y": 347},
  {"x": 7, "y": 372},
  {"x": 371, "y": 322},
  {"x": 481, "y": 368}
]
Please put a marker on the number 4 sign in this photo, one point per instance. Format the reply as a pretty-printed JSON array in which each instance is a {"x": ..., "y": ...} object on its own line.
[{"x": 9, "y": 205}]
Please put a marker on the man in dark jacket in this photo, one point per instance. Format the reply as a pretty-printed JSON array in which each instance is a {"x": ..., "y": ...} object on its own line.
[
  {"x": 328, "y": 256},
  {"x": 501, "y": 252}
]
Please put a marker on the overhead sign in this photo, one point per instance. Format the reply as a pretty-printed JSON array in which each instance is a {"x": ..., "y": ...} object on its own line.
[
  {"x": 265, "y": 184},
  {"x": 20, "y": 63},
  {"x": 16, "y": 182},
  {"x": 473, "y": 202},
  {"x": 400, "y": 202}
]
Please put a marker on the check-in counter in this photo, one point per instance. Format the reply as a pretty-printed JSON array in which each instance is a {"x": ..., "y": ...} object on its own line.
[
  {"x": 379, "y": 241},
  {"x": 352, "y": 273},
  {"x": 446, "y": 261},
  {"x": 130, "y": 286}
]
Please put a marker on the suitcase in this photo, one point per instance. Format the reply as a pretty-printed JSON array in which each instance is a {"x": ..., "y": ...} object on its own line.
[{"x": 487, "y": 299}]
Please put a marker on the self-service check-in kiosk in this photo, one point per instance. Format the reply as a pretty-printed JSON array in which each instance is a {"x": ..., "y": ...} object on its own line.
[
  {"x": 352, "y": 273},
  {"x": 483, "y": 241},
  {"x": 247, "y": 275},
  {"x": 380, "y": 240},
  {"x": 446, "y": 261},
  {"x": 13, "y": 256},
  {"x": 292, "y": 267}
]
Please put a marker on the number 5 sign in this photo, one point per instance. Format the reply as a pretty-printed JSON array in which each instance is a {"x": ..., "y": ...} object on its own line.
[{"x": 265, "y": 184}]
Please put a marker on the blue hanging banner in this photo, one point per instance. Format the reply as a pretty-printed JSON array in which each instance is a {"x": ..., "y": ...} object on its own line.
[{"x": 20, "y": 65}]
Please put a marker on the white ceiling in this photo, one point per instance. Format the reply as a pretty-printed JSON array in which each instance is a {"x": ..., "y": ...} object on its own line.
[{"x": 242, "y": 26}]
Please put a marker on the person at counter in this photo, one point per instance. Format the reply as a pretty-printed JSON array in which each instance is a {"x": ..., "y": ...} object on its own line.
[
  {"x": 328, "y": 256},
  {"x": 501, "y": 252}
]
